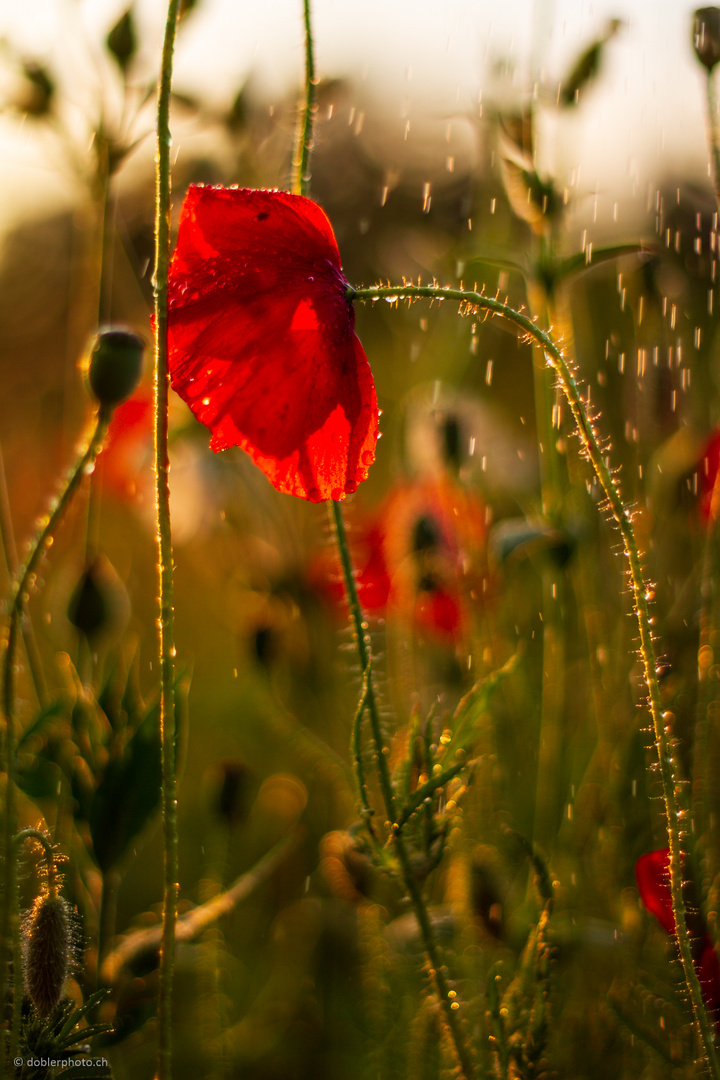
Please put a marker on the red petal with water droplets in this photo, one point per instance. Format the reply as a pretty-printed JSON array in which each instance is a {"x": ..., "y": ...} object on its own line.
[{"x": 261, "y": 339}]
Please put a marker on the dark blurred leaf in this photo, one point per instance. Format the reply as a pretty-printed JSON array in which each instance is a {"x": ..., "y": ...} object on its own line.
[
  {"x": 40, "y": 779},
  {"x": 129, "y": 792},
  {"x": 186, "y": 6},
  {"x": 119, "y": 697},
  {"x": 37, "y": 767},
  {"x": 585, "y": 260},
  {"x": 527, "y": 538},
  {"x": 531, "y": 198},
  {"x": 188, "y": 101},
  {"x": 237, "y": 116},
  {"x": 586, "y": 66},
  {"x": 122, "y": 40},
  {"x": 43, "y": 721},
  {"x": 40, "y": 90}
]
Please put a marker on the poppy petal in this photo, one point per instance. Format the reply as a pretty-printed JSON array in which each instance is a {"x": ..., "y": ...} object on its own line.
[
  {"x": 262, "y": 343},
  {"x": 652, "y": 873}
]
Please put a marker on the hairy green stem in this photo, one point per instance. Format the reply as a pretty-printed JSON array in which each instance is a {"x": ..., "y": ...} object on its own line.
[
  {"x": 7, "y": 536},
  {"x": 710, "y": 602},
  {"x": 362, "y": 642},
  {"x": 304, "y": 140},
  {"x": 164, "y": 547},
  {"x": 473, "y": 302},
  {"x": 21, "y": 589}
]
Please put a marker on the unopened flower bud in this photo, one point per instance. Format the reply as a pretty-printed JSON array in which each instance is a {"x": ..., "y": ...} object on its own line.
[
  {"x": 706, "y": 36},
  {"x": 232, "y": 785},
  {"x": 47, "y": 948},
  {"x": 115, "y": 365},
  {"x": 122, "y": 40},
  {"x": 98, "y": 601}
]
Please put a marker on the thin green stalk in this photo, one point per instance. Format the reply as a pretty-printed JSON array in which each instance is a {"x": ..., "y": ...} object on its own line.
[
  {"x": 475, "y": 302},
  {"x": 553, "y": 480},
  {"x": 713, "y": 134},
  {"x": 362, "y": 641},
  {"x": 164, "y": 545},
  {"x": 356, "y": 748},
  {"x": 7, "y": 537},
  {"x": 304, "y": 141},
  {"x": 710, "y": 599},
  {"x": 21, "y": 589}
]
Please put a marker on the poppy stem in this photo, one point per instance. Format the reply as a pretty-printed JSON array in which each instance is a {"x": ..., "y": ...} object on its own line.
[
  {"x": 164, "y": 546},
  {"x": 21, "y": 589},
  {"x": 304, "y": 140},
  {"x": 369, "y": 703},
  {"x": 713, "y": 134},
  {"x": 470, "y": 303}
]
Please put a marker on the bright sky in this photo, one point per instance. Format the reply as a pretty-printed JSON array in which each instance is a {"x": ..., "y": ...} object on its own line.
[{"x": 644, "y": 116}]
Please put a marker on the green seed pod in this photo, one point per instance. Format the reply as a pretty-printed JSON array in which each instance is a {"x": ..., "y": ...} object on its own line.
[
  {"x": 115, "y": 365},
  {"x": 706, "y": 36},
  {"x": 47, "y": 949}
]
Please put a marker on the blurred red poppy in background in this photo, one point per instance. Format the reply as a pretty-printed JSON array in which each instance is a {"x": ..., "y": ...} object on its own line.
[
  {"x": 652, "y": 873},
  {"x": 421, "y": 557},
  {"x": 127, "y": 457},
  {"x": 708, "y": 470},
  {"x": 261, "y": 339}
]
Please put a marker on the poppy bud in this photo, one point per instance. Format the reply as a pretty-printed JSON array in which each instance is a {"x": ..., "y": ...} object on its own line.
[
  {"x": 115, "y": 365},
  {"x": 98, "y": 600},
  {"x": 122, "y": 40},
  {"x": 706, "y": 36},
  {"x": 47, "y": 947},
  {"x": 426, "y": 535},
  {"x": 232, "y": 788},
  {"x": 452, "y": 440}
]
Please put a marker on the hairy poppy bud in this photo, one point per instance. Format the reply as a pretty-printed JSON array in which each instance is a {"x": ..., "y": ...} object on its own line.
[
  {"x": 48, "y": 942},
  {"x": 706, "y": 36},
  {"x": 115, "y": 365}
]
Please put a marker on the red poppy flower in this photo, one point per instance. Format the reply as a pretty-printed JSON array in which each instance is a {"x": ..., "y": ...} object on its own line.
[
  {"x": 652, "y": 872},
  {"x": 261, "y": 339}
]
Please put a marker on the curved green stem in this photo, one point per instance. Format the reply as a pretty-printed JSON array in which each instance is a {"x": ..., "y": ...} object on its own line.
[
  {"x": 473, "y": 302},
  {"x": 164, "y": 546},
  {"x": 7, "y": 539},
  {"x": 22, "y": 587}
]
